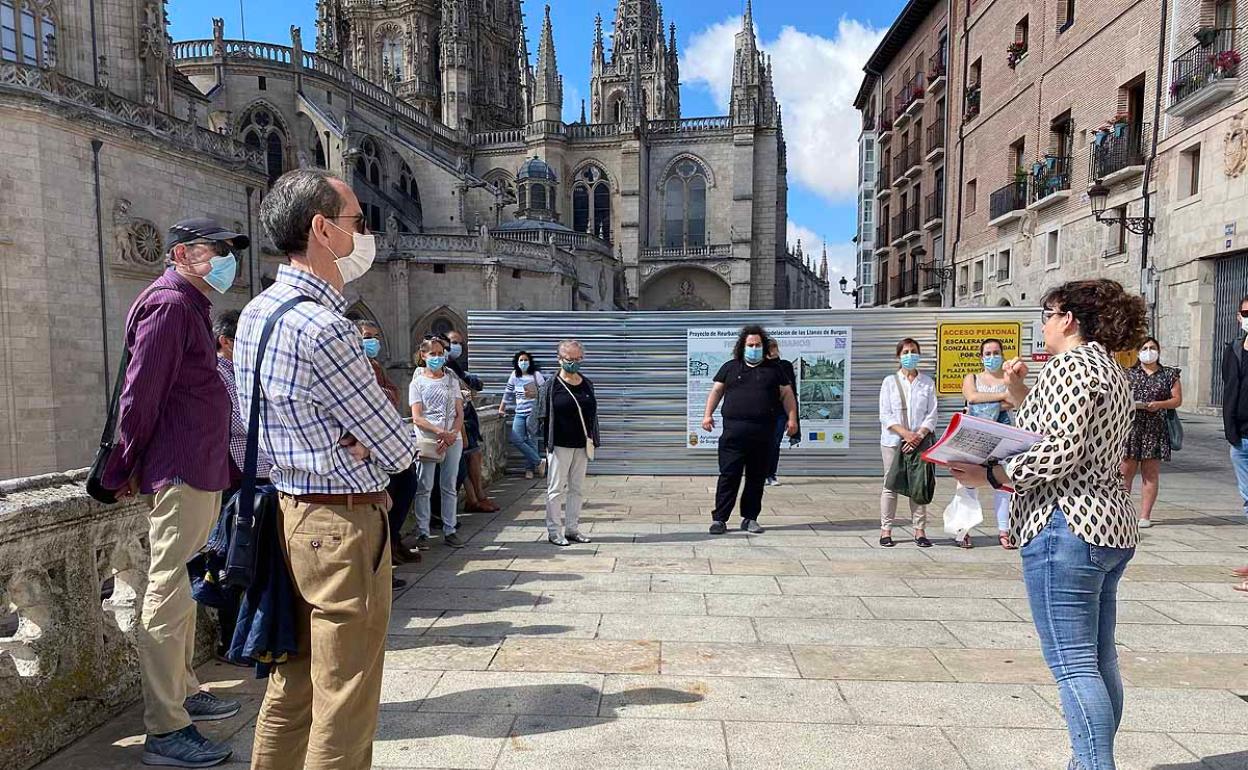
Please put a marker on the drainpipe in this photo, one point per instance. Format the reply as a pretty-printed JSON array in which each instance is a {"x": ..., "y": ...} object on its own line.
[
  {"x": 254, "y": 268},
  {"x": 966, "y": 71},
  {"x": 1145, "y": 272},
  {"x": 96, "y": 145},
  {"x": 95, "y": 71}
]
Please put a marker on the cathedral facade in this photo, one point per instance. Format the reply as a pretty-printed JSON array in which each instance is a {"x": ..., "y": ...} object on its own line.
[{"x": 482, "y": 196}]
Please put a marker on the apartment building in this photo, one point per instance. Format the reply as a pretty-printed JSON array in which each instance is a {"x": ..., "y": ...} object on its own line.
[
  {"x": 1201, "y": 270},
  {"x": 864, "y": 237},
  {"x": 904, "y": 100}
]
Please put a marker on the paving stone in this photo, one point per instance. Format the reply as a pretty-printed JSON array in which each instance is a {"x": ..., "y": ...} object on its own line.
[
  {"x": 955, "y": 705},
  {"x": 677, "y": 628},
  {"x": 1032, "y": 749},
  {"x": 500, "y": 624},
  {"x": 514, "y": 692},
  {"x": 561, "y": 563},
  {"x": 598, "y": 656},
  {"x": 467, "y": 599},
  {"x": 904, "y": 608},
  {"x": 1152, "y": 590},
  {"x": 909, "y": 664},
  {"x": 1001, "y": 635},
  {"x": 666, "y": 566},
  {"x": 787, "y": 606},
  {"x": 705, "y": 659},
  {"x": 1177, "y": 669},
  {"x": 844, "y": 586},
  {"x": 1128, "y": 612},
  {"x": 968, "y": 589},
  {"x": 587, "y": 581},
  {"x": 840, "y": 747},
  {"x": 1176, "y": 710},
  {"x": 855, "y": 633},
  {"x": 405, "y": 688},
  {"x": 1204, "y": 613},
  {"x": 727, "y": 698},
  {"x": 762, "y": 552},
  {"x": 757, "y": 567},
  {"x": 1218, "y": 751},
  {"x": 996, "y": 666},
  {"x": 441, "y": 653},
  {"x": 572, "y": 743},
  {"x": 440, "y": 740},
  {"x": 1142, "y": 637},
  {"x": 714, "y": 584},
  {"x": 621, "y": 602},
  {"x": 483, "y": 579}
]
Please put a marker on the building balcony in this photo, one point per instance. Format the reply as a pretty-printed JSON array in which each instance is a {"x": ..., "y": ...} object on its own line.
[
  {"x": 881, "y": 291},
  {"x": 687, "y": 252},
  {"x": 1118, "y": 154},
  {"x": 885, "y": 127},
  {"x": 913, "y": 157},
  {"x": 881, "y": 239},
  {"x": 935, "y": 141},
  {"x": 971, "y": 108},
  {"x": 897, "y": 228},
  {"x": 1008, "y": 203},
  {"x": 905, "y": 225},
  {"x": 934, "y": 210},
  {"x": 1204, "y": 75},
  {"x": 1049, "y": 182},
  {"x": 936, "y": 66}
]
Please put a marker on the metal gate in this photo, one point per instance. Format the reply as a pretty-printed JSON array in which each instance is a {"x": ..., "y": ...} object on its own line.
[
  {"x": 1230, "y": 286},
  {"x": 637, "y": 363}
]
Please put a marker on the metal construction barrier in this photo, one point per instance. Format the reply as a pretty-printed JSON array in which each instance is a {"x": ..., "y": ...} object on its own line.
[{"x": 637, "y": 363}]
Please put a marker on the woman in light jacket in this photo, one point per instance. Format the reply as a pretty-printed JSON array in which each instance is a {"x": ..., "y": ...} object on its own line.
[
  {"x": 1071, "y": 515},
  {"x": 567, "y": 414},
  {"x": 907, "y": 416}
]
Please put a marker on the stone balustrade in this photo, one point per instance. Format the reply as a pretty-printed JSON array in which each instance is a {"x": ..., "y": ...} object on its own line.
[
  {"x": 687, "y": 252},
  {"x": 72, "y": 577}
]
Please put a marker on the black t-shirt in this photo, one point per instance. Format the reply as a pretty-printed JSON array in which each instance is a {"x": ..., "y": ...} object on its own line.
[
  {"x": 751, "y": 393},
  {"x": 568, "y": 431},
  {"x": 1241, "y": 405}
]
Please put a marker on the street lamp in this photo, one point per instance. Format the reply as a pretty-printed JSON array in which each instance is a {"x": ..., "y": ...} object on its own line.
[
  {"x": 1098, "y": 199},
  {"x": 844, "y": 284}
]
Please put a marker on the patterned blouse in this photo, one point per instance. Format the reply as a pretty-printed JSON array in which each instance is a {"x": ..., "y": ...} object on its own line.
[{"x": 1082, "y": 405}]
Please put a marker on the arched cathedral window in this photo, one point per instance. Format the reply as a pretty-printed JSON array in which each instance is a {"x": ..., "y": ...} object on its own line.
[
  {"x": 684, "y": 206},
  {"x": 28, "y": 32},
  {"x": 409, "y": 190},
  {"x": 392, "y": 57},
  {"x": 591, "y": 203},
  {"x": 368, "y": 164},
  {"x": 261, "y": 132}
]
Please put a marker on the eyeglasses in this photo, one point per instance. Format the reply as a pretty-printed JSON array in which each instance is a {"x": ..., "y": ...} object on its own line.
[
  {"x": 1048, "y": 313},
  {"x": 359, "y": 220},
  {"x": 1243, "y": 314}
]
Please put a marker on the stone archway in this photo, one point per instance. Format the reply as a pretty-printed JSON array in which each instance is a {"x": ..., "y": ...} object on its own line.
[{"x": 686, "y": 287}]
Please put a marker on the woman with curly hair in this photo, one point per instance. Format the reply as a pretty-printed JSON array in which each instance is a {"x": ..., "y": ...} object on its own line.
[{"x": 1071, "y": 514}]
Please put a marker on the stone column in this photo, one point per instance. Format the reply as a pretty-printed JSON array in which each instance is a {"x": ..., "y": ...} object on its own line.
[{"x": 400, "y": 336}]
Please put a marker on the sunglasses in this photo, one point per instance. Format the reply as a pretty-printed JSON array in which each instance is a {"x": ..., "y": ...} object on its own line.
[{"x": 1243, "y": 314}]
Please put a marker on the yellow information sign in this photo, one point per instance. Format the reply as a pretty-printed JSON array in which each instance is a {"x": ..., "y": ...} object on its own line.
[{"x": 957, "y": 350}]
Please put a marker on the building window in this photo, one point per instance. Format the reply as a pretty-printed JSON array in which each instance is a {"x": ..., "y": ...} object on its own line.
[
  {"x": 392, "y": 59},
  {"x": 964, "y": 279},
  {"x": 970, "y": 196},
  {"x": 1118, "y": 233},
  {"x": 407, "y": 186},
  {"x": 1017, "y": 51},
  {"x": 1189, "y": 172},
  {"x": 28, "y": 33},
  {"x": 1003, "y": 266},
  {"x": 1052, "y": 242},
  {"x": 368, "y": 164},
  {"x": 261, "y": 133},
  {"x": 1065, "y": 14},
  {"x": 591, "y": 203},
  {"x": 684, "y": 206},
  {"x": 978, "y": 286}
]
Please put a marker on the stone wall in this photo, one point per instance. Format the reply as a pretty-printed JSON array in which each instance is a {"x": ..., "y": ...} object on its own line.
[{"x": 72, "y": 577}]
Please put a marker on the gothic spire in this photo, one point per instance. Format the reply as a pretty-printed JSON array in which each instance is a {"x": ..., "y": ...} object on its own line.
[
  {"x": 823, "y": 264},
  {"x": 548, "y": 87},
  {"x": 598, "y": 57}
]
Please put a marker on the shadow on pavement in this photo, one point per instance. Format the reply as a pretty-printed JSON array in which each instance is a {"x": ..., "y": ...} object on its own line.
[{"x": 1235, "y": 761}]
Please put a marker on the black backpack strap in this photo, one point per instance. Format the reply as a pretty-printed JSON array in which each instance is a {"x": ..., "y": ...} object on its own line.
[
  {"x": 114, "y": 401},
  {"x": 247, "y": 493}
]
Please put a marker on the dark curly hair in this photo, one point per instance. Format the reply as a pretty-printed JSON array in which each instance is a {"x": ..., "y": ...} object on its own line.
[
  {"x": 738, "y": 350},
  {"x": 534, "y": 366},
  {"x": 1106, "y": 312}
]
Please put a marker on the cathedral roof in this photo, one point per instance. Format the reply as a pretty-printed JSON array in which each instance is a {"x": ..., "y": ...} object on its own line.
[{"x": 536, "y": 168}]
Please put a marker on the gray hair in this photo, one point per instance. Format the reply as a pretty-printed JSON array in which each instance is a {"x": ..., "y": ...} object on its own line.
[
  {"x": 295, "y": 198},
  {"x": 363, "y": 324},
  {"x": 569, "y": 344}
]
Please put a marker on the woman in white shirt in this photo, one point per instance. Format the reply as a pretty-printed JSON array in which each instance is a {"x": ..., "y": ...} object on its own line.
[
  {"x": 437, "y": 411},
  {"x": 907, "y": 416}
]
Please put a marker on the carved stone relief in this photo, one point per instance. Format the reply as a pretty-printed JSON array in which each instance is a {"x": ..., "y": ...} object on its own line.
[
  {"x": 137, "y": 241},
  {"x": 1237, "y": 147}
]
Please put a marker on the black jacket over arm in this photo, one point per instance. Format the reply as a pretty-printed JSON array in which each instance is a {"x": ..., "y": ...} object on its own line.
[{"x": 1230, "y": 390}]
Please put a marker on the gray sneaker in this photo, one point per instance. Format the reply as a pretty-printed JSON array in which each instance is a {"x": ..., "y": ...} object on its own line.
[
  {"x": 558, "y": 540},
  {"x": 203, "y": 706},
  {"x": 184, "y": 748},
  {"x": 453, "y": 540},
  {"x": 577, "y": 537},
  {"x": 750, "y": 525}
]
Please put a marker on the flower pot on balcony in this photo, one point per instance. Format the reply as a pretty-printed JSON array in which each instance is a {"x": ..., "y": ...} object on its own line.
[
  {"x": 1119, "y": 130},
  {"x": 1205, "y": 36}
]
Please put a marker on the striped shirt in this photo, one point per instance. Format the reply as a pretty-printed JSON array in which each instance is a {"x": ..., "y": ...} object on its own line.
[
  {"x": 171, "y": 425},
  {"x": 517, "y": 392},
  {"x": 238, "y": 425},
  {"x": 318, "y": 388}
]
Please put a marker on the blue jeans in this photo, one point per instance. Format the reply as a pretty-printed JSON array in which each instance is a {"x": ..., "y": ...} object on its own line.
[
  {"x": 1239, "y": 460},
  {"x": 525, "y": 441},
  {"x": 782, "y": 422},
  {"x": 447, "y": 471},
  {"x": 1073, "y": 590}
]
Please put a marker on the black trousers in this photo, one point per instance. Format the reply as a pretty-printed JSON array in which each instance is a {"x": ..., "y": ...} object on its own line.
[
  {"x": 402, "y": 489},
  {"x": 744, "y": 448}
]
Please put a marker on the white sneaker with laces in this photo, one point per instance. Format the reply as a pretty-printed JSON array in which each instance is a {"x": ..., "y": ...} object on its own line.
[{"x": 1145, "y": 523}]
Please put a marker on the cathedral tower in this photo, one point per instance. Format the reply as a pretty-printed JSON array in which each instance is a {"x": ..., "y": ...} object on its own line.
[
  {"x": 547, "y": 85},
  {"x": 641, "y": 77},
  {"x": 753, "y": 98}
]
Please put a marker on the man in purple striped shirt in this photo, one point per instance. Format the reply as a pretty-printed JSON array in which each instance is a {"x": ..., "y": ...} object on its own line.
[{"x": 173, "y": 434}]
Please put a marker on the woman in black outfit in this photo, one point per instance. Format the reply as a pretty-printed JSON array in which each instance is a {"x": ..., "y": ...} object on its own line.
[
  {"x": 782, "y": 419},
  {"x": 754, "y": 390}
]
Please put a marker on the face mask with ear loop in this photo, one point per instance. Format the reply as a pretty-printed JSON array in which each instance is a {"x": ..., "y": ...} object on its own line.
[{"x": 357, "y": 263}]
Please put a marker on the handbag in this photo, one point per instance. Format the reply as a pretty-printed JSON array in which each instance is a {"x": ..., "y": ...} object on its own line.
[
  {"x": 589, "y": 441},
  {"x": 1174, "y": 426},
  {"x": 251, "y": 507},
  {"x": 428, "y": 450},
  {"x": 910, "y": 475},
  {"x": 108, "y": 442}
]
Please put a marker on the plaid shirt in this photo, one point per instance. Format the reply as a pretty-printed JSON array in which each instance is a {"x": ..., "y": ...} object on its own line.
[
  {"x": 238, "y": 425},
  {"x": 318, "y": 387}
]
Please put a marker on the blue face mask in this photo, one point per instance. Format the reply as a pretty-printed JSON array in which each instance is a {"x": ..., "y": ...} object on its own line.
[
  {"x": 910, "y": 361},
  {"x": 753, "y": 355},
  {"x": 457, "y": 350},
  {"x": 993, "y": 362},
  {"x": 221, "y": 276},
  {"x": 523, "y": 364},
  {"x": 435, "y": 362},
  {"x": 372, "y": 347},
  {"x": 571, "y": 367}
]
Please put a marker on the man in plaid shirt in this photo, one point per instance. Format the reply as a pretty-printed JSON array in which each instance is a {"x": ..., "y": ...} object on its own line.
[{"x": 334, "y": 439}]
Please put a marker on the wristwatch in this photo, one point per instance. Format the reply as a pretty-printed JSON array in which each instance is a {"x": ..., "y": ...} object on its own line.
[{"x": 992, "y": 481}]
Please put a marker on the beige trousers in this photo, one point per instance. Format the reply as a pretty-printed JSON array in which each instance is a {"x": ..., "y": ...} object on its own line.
[
  {"x": 178, "y": 526},
  {"x": 888, "y": 499},
  {"x": 565, "y": 480},
  {"x": 320, "y": 709}
]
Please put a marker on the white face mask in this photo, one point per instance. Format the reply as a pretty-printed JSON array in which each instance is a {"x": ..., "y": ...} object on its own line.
[
  {"x": 1243, "y": 324},
  {"x": 357, "y": 263},
  {"x": 1148, "y": 356}
]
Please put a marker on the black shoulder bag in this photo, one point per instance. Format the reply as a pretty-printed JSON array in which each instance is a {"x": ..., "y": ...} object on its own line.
[
  {"x": 250, "y": 507},
  {"x": 108, "y": 442}
]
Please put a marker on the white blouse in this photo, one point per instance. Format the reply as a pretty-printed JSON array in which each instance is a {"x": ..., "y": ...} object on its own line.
[{"x": 921, "y": 412}]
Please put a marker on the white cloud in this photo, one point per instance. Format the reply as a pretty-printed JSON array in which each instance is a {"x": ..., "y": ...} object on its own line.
[
  {"x": 816, "y": 79},
  {"x": 841, "y": 259}
]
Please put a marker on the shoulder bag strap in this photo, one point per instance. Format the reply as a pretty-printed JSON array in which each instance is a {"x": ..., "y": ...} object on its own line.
[
  {"x": 114, "y": 401},
  {"x": 577, "y": 404},
  {"x": 905, "y": 406},
  {"x": 247, "y": 493}
]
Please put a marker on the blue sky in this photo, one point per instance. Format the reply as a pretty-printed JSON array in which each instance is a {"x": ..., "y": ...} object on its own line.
[{"x": 817, "y": 49}]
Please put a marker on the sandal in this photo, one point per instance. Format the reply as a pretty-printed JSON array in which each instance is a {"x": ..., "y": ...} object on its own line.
[
  {"x": 1004, "y": 539},
  {"x": 923, "y": 542},
  {"x": 1243, "y": 587},
  {"x": 965, "y": 542},
  {"x": 1240, "y": 572}
]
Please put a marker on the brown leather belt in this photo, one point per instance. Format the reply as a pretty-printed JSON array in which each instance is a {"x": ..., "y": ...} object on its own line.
[{"x": 348, "y": 501}]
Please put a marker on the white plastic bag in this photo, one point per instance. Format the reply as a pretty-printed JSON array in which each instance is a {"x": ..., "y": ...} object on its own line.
[{"x": 963, "y": 513}]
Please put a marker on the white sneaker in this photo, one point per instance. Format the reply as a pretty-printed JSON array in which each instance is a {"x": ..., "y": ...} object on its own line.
[
  {"x": 528, "y": 474},
  {"x": 1145, "y": 523},
  {"x": 773, "y": 481},
  {"x": 541, "y": 469}
]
